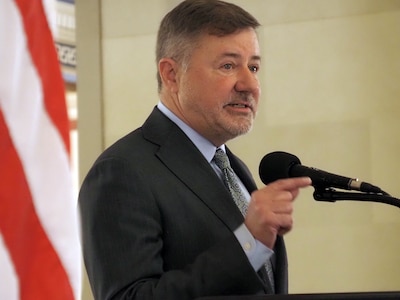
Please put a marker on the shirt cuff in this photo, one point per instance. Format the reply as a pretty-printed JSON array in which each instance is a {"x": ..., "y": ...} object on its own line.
[{"x": 256, "y": 252}]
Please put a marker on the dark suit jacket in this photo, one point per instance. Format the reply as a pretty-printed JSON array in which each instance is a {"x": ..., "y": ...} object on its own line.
[{"x": 157, "y": 222}]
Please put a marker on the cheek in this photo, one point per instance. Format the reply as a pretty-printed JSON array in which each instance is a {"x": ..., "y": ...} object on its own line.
[
  {"x": 223, "y": 86},
  {"x": 208, "y": 89}
]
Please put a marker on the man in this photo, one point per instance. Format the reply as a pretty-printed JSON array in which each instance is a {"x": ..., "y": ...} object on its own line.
[{"x": 157, "y": 220}]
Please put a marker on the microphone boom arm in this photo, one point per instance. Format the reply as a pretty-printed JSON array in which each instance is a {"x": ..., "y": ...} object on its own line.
[{"x": 331, "y": 195}]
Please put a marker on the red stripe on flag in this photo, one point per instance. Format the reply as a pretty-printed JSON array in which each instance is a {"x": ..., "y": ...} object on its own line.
[
  {"x": 40, "y": 271},
  {"x": 44, "y": 57}
]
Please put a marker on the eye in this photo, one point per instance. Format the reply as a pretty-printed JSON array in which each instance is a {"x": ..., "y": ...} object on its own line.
[
  {"x": 254, "y": 69},
  {"x": 227, "y": 66}
]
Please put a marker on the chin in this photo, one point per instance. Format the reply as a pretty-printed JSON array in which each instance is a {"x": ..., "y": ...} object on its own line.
[{"x": 242, "y": 130}]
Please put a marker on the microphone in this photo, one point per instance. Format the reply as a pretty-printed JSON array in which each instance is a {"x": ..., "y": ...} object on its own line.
[{"x": 278, "y": 165}]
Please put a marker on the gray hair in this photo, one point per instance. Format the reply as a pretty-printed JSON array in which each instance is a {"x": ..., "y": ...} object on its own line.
[{"x": 181, "y": 28}]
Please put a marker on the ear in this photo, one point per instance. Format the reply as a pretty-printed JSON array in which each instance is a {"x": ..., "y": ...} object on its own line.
[{"x": 168, "y": 68}]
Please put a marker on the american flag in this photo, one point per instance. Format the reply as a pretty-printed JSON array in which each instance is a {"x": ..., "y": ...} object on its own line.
[{"x": 39, "y": 230}]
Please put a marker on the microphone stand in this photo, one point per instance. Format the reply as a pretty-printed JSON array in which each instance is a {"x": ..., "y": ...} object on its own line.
[{"x": 331, "y": 195}]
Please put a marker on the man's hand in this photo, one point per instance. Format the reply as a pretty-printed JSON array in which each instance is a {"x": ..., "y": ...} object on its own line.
[{"x": 270, "y": 209}]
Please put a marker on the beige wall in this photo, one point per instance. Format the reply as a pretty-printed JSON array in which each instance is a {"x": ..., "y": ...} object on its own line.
[{"x": 331, "y": 96}]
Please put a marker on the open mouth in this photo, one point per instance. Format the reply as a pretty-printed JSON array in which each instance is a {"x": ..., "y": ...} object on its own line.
[{"x": 240, "y": 105}]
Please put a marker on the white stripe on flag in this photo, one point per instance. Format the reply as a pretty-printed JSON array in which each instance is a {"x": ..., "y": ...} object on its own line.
[{"x": 9, "y": 281}]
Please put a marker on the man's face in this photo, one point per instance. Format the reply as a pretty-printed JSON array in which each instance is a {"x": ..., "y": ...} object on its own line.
[{"x": 218, "y": 93}]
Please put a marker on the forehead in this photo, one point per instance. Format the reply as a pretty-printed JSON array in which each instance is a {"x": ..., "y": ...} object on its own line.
[{"x": 242, "y": 43}]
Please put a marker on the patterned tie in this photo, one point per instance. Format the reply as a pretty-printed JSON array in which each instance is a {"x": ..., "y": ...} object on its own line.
[
  {"x": 231, "y": 182},
  {"x": 222, "y": 161}
]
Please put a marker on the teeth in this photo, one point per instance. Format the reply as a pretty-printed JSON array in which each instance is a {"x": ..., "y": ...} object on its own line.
[{"x": 239, "y": 105}]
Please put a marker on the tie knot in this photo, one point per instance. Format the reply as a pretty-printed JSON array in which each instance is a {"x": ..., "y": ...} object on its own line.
[{"x": 221, "y": 159}]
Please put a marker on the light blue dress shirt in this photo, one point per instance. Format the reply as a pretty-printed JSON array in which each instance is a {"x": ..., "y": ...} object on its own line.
[{"x": 256, "y": 252}]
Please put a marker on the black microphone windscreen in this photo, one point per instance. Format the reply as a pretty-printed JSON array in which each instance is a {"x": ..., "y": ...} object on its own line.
[{"x": 276, "y": 165}]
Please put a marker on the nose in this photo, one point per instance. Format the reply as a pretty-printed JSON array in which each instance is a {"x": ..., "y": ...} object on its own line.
[{"x": 247, "y": 81}]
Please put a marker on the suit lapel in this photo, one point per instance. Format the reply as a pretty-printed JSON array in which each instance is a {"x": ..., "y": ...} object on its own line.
[
  {"x": 183, "y": 159},
  {"x": 242, "y": 171}
]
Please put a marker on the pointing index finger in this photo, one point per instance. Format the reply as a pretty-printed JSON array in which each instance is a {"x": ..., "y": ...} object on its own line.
[{"x": 291, "y": 183}]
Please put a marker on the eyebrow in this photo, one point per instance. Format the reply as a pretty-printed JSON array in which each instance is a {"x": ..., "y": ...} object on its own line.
[{"x": 236, "y": 55}]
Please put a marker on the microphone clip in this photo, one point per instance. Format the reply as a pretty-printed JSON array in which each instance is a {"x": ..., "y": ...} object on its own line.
[{"x": 329, "y": 194}]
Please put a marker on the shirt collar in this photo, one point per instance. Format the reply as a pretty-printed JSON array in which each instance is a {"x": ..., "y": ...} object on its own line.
[{"x": 205, "y": 146}]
